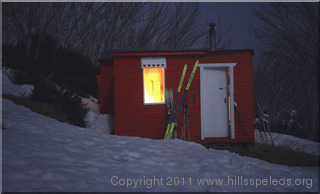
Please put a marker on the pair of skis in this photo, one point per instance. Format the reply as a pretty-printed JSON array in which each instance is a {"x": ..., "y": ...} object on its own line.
[{"x": 173, "y": 117}]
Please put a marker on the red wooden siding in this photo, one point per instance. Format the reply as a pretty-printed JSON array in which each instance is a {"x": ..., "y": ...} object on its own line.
[
  {"x": 243, "y": 93},
  {"x": 133, "y": 118},
  {"x": 106, "y": 87}
]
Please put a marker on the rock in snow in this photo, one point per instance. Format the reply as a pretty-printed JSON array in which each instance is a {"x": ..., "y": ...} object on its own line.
[{"x": 42, "y": 154}]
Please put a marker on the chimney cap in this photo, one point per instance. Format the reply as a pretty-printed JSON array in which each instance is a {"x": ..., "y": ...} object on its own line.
[{"x": 212, "y": 25}]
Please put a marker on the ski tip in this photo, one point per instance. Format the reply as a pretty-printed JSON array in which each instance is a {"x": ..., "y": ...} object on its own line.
[{"x": 185, "y": 68}]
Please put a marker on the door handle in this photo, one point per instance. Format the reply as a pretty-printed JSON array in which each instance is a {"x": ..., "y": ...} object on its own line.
[{"x": 225, "y": 100}]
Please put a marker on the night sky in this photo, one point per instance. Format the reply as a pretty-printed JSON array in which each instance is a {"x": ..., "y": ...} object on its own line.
[{"x": 239, "y": 15}]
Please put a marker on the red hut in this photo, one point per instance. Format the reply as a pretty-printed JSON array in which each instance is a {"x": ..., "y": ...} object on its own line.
[{"x": 132, "y": 88}]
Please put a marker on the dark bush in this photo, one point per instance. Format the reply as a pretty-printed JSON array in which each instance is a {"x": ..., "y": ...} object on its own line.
[
  {"x": 46, "y": 92},
  {"x": 44, "y": 54},
  {"x": 14, "y": 57},
  {"x": 66, "y": 67},
  {"x": 292, "y": 123},
  {"x": 73, "y": 107},
  {"x": 47, "y": 64},
  {"x": 62, "y": 99},
  {"x": 23, "y": 77},
  {"x": 76, "y": 73}
]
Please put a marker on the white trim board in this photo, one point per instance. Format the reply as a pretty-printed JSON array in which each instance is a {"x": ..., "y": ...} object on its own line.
[
  {"x": 202, "y": 67},
  {"x": 217, "y": 65},
  {"x": 153, "y": 62}
]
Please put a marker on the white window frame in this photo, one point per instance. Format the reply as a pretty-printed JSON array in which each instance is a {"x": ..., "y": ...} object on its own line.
[
  {"x": 153, "y": 62},
  {"x": 218, "y": 65}
]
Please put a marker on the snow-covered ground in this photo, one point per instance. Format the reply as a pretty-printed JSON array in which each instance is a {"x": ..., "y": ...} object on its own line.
[
  {"x": 291, "y": 142},
  {"x": 98, "y": 122},
  {"x": 10, "y": 88},
  {"x": 42, "y": 154},
  {"x": 103, "y": 124}
]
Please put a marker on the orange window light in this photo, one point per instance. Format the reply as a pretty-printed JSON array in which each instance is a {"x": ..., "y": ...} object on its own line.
[{"x": 153, "y": 85}]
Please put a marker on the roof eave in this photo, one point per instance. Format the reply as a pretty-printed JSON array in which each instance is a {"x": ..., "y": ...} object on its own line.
[
  {"x": 156, "y": 53},
  {"x": 172, "y": 53}
]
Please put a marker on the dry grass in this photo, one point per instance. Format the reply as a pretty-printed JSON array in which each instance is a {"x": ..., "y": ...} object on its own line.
[{"x": 269, "y": 153}]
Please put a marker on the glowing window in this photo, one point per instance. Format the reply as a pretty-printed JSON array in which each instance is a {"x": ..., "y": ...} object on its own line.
[
  {"x": 153, "y": 85},
  {"x": 153, "y": 79}
]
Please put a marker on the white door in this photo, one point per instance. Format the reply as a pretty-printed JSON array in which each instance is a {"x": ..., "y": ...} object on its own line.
[{"x": 215, "y": 99}]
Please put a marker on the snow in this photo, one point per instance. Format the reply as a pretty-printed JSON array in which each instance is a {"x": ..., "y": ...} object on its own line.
[
  {"x": 101, "y": 123},
  {"x": 42, "y": 154},
  {"x": 291, "y": 142},
  {"x": 10, "y": 88}
]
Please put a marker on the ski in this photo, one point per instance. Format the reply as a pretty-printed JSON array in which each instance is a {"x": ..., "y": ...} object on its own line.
[
  {"x": 167, "y": 101},
  {"x": 176, "y": 99},
  {"x": 171, "y": 99},
  {"x": 172, "y": 121}
]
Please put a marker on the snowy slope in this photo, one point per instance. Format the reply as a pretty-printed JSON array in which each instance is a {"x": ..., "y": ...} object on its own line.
[
  {"x": 101, "y": 123},
  {"x": 10, "y": 88},
  {"x": 42, "y": 154},
  {"x": 291, "y": 142}
]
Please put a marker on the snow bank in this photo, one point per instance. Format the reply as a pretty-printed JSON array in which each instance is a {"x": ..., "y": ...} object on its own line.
[
  {"x": 42, "y": 154},
  {"x": 101, "y": 123},
  {"x": 291, "y": 142},
  {"x": 10, "y": 88}
]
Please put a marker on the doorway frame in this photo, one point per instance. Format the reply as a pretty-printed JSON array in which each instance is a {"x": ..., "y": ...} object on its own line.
[{"x": 229, "y": 66}]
